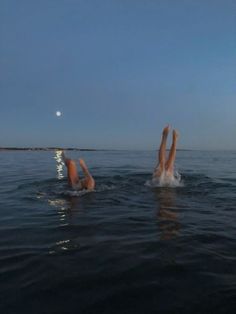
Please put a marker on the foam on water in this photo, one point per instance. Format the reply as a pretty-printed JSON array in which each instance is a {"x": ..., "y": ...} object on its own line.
[{"x": 166, "y": 181}]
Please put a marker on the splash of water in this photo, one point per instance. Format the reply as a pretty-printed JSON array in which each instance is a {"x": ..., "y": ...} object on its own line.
[
  {"x": 60, "y": 164},
  {"x": 166, "y": 181}
]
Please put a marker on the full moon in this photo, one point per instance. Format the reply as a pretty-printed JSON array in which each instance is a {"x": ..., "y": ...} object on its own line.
[{"x": 58, "y": 113}]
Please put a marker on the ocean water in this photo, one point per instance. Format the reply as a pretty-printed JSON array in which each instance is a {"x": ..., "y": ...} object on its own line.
[{"x": 127, "y": 247}]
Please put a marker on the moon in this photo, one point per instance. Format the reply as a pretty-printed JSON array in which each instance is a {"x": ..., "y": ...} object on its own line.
[{"x": 58, "y": 113}]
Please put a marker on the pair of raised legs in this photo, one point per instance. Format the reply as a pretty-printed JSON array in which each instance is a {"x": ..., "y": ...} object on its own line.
[
  {"x": 74, "y": 180},
  {"x": 163, "y": 165},
  {"x": 166, "y": 165}
]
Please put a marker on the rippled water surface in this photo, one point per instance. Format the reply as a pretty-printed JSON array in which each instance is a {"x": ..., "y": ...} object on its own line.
[{"x": 124, "y": 248}]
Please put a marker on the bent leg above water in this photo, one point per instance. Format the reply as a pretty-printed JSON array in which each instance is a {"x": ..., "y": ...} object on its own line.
[
  {"x": 72, "y": 174},
  {"x": 88, "y": 182}
]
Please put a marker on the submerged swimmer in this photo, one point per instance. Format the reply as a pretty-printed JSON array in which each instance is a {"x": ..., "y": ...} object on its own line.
[
  {"x": 74, "y": 181},
  {"x": 164, "y": 171}
]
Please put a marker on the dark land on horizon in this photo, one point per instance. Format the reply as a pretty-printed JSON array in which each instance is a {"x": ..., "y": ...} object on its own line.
[
  {"x": 47, "y": 148},
  {"x": 63, "y": 148}
]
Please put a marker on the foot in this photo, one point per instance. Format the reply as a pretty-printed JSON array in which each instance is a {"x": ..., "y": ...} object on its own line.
[
  {"x": 175, "y": 135},
  {"x": 165, "y": 131},
  {"x": 82, "y": 163}
]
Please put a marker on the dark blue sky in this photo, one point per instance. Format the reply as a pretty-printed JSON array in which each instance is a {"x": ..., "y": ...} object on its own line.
[{"x": 119, "y": 70}]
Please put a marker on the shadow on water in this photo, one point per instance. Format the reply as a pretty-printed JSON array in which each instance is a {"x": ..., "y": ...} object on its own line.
[{"x": 167, "y": 212}]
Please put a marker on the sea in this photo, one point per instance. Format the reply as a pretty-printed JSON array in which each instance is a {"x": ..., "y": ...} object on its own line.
[{"x": 128, "y": 247}]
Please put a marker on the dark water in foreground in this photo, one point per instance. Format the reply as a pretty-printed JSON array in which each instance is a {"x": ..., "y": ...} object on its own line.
[{"x": 125, "y": 248}]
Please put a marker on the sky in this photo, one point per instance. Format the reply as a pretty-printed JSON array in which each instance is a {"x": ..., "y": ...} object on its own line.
[{"x": 118, "y": 70}]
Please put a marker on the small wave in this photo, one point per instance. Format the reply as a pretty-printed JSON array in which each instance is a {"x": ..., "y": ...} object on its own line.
[
  {"x": 75, "y": 193},
  {"x": 105, "y": 187},
  {"x": 101, "y": 188},
  {"x": 166, "y": 181}
]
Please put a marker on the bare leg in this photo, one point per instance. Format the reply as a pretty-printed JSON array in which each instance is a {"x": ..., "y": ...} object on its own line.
[
  {"x": 88, "y": 182},
  {"x": 169, "y": 166},
  {"x": 72, "y": 174},
  {"x": 162, "y": 153}
]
